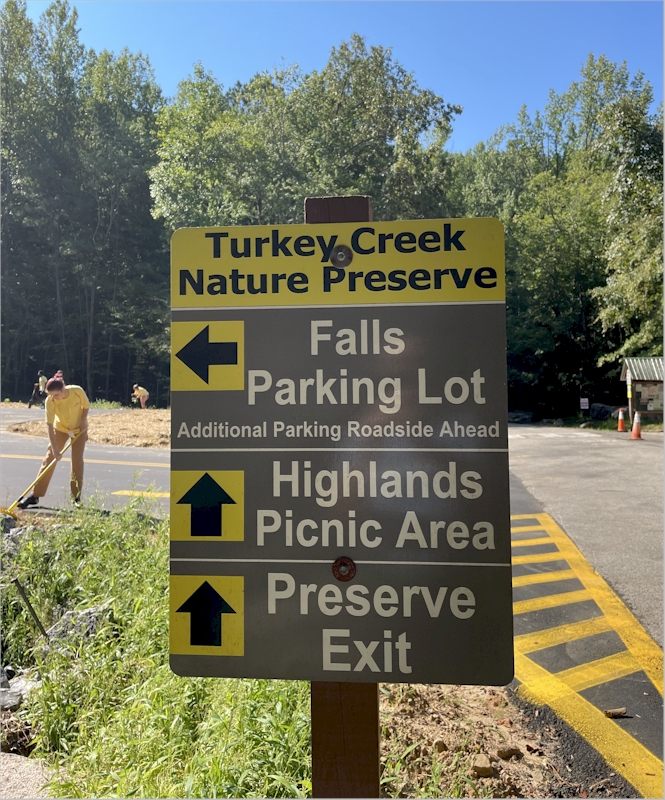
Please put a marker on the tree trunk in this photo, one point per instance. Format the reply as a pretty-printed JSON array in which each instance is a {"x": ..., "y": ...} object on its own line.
[
  {"x": 90, "y": 321},
  {"x": 58, "y": 301}
]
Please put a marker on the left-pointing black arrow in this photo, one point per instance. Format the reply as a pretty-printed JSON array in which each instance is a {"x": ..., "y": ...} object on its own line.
[
  {"x": 206, "y": 498},
  {"x": 206, "y": 607},
  {"x": 200, "y": 354}
]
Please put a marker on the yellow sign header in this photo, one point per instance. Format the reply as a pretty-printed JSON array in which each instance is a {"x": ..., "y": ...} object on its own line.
[{"x": 351, "y": 263}]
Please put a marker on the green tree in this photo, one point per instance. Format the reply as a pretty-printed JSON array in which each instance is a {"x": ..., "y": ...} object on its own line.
[
  {"x": 80, "y": 249},
  {"x": 252, "y": 154},
  {"x": 554, "y": 340},
  {"x": 118, "y": 237},
  {"x": 186, "y": 183},
  {"x": 631, "y": 298},
  {"x": 579, "y": 190},
  {"x": 362, "y": 122},
  {"x": 39, "y": 177}
]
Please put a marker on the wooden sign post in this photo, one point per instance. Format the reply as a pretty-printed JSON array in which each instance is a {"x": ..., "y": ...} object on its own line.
[{"x": 345, "y": 716}]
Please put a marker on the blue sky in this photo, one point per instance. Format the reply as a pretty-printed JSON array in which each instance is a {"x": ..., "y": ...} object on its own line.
[{"x": 490, "y": 57}]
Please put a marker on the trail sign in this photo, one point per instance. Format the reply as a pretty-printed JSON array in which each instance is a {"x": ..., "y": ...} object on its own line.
[{"x": 339, "y": 450}]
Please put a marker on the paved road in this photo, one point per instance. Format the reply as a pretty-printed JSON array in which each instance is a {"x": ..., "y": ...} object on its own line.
[
  {"x": 587, "y": 521},
  {"x": 606, "y": 492},
  {"x": 108, "y": 469}
]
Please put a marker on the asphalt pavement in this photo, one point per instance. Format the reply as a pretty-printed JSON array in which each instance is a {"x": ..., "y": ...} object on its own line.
[
  {"x": 587, "y": 543},
  {"x": 606, "y": 491},
  {"x": 113, "y": 475}
]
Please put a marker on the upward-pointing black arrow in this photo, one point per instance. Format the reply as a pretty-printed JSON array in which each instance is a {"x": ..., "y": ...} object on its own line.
[
  {"x": 206, "y": 498},
  {"x": 206, "y": 607},
  {"x": 201, "y": 353}
]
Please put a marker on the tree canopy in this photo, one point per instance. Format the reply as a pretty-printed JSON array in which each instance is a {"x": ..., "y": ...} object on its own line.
[
  {"x": 84, "y": 263},
  {"x": 98, "y": 170}
]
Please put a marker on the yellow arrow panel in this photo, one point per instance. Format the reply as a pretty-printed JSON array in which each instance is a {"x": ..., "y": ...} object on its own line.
[
  {"x": 183, "y": 515},
  {"x": 198, "y": 363},
  {"x": 214, "y": 610}
]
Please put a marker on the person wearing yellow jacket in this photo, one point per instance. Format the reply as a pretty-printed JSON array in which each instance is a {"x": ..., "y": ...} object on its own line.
[{"x": 66, "y": 418}]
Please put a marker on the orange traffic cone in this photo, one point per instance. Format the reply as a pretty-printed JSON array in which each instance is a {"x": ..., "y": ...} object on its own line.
[
  {"x": 621, "y": 426},
  {"x": 636, "y": 433}
]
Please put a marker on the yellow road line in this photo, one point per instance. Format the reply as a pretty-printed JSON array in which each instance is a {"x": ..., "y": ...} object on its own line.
[
  {"x": 543, "y": 577},
  {"x": 584, "y": 676},
  {"x": 131, "y": 493},
  {"x": 526, "y": 528},
  {"x": 641, "y": 646},
  {"x": 551, "y": 601},
  {"x": 531, "y": 542},
  {"x": 621, "y": 751},
  {"x": 95, "y": 461},
  {"x": 550, "y": 637},
  {"x": 538, "y": 558}
]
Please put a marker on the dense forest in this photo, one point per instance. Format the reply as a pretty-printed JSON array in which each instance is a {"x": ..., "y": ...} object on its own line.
[{"x": 99, "y": 168}]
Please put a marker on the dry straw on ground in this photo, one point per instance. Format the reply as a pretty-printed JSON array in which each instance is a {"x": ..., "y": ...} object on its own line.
[{"x": 149, "y": 427}]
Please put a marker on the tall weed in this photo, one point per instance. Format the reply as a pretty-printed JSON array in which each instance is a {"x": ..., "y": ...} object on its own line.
[{"x": 110, "y": 713}]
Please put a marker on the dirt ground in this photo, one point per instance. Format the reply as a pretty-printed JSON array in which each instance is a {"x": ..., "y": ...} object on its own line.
[
  {"x": 22, "y": 777},
  {"x": 505, "y": 748},
  {"x": 132, "y": 428}
]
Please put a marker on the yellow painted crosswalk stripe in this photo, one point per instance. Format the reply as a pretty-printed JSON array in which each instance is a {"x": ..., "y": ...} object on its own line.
[
  {"x": 593, "y": 673},
  {"x": 526, "y": 528},
  {"x": 538, "y": 558},
  {"x": 551, "y": 601},
  {"x": 560, "y": 691},
  {"x": 531, "y": 542},
  {"x": 550, "y": 637},
  {"x": 543, "y": 577},
  {"x": 621, "y": 751},
  {"x": 642, "y": 647}
]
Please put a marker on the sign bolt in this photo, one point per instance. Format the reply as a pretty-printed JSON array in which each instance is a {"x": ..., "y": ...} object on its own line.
[
  {"x": 341, "y": 256},
  {"x": 344, "y": 569}
]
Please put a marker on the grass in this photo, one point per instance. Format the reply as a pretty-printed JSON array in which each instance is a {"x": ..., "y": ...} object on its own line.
[
  {"x": 611, "y": 424},
  {"x": 110, "y": 714},
  {"x": 106, "y": 404}
]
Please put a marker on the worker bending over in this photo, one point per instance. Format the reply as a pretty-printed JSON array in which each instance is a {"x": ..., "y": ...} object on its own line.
[
  {"x": 66, "y": 418},
  {"x": 142, "y": 395}
]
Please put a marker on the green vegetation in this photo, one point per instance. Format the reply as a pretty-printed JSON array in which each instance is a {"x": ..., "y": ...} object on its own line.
[
  {"x": 98, "y": 169},
  {"x": 85, "y": 266},
  {"x": 106, "y": 404},
  {"x": 110, "y": 712},
  {"x": 112, "y": 717}
]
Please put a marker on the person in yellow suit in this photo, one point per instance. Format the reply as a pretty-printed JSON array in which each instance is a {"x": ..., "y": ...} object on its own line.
[
  {"x": 39, "y": 390},
  {"x": 66, "y": 418},
  {"x": 142, "y": 395}
]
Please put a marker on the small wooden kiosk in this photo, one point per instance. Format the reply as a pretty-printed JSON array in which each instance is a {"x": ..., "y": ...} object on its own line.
[{"x": 644, "y": 384}]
